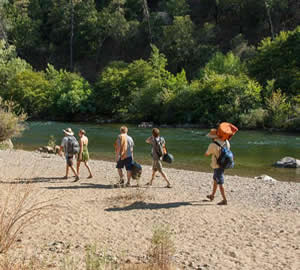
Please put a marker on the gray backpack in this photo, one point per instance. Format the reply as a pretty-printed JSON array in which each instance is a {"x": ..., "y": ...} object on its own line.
[
  {"x": 73, "y": 146},
  {"x": 159, "y": 146}
]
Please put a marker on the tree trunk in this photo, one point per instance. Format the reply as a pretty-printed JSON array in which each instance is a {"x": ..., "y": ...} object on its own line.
[
  {"x": 147, "y": 16},
  {"x": 268, "y": 8},
  {"x": 71, "y": 35},
  {"x": 217, "y": 12}
]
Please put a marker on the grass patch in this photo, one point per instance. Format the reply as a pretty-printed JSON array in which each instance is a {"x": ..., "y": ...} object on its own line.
[
  {"x": 30, "y": 264},
  {"x": 129, "y": 196}
]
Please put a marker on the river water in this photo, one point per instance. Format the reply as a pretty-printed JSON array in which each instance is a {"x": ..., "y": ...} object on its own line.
[{"x": 254, "y": 151}]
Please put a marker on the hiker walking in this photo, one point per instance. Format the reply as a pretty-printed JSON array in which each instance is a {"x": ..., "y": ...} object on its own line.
[
  {"x": 214, "y": 149},
  {"x": 124, "y": 155},
  {"x": 83, "y": 155},
  {"x": 70, "y": 147},
  {"x": 158, "y": 150}
]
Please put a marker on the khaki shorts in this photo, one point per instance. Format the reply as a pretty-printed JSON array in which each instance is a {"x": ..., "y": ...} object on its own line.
[{"x": 156, "y": 165}]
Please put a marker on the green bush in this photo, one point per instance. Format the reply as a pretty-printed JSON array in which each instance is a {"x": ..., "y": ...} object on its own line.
[
  {"x": 219, "y": 98},
  {"x": 278, "y": 109},
  {"x": 253, "y": 119},
  {"x": 69, "y": 94},
  {"x": 30, "y": 89}
]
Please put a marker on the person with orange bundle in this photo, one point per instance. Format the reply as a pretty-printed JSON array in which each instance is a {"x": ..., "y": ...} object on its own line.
[{"x": 221, "y": 157}]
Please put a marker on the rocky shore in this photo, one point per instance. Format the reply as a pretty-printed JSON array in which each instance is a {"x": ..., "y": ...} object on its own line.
[{"x": 258, "y": 229}]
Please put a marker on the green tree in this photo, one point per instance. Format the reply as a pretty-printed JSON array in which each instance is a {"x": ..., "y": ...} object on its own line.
[
  {"x": 278, "y": 109},
  {"x": 279, "y": 59},
  {"x": 177, "y": 7},
  {"x": 69, "y": 94},
  {"x": 31, "y": 90},
  {"x": 224, "y": 64},
  {"x": 10, "y": 66},
  {"x": 178, "y": 42}
]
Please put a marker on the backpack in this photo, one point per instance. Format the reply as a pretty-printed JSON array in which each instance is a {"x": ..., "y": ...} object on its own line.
[
  {"x": 225, "y": 160},
  {"x": 159, "y": 147},
  {"x": 136, "y": 170},
  {"x": 73, "y": 146}
]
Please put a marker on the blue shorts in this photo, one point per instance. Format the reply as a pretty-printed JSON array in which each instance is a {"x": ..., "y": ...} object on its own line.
[
  {"x": 219, "y": 176},
  {"x": 127, "y": 162}
]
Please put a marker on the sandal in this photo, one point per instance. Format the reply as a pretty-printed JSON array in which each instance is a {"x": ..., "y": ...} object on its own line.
[
  {"x": 76, "y": 179},
  {"x": 210, "y": 197},
  {"x": 222, "y": 202}
]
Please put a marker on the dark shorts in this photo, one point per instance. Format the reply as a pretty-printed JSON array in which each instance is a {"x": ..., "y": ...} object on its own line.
[
  {"x": 219, "y": 176},
  {"x": 69, "y": 160},
  {"x": 127, "y": 162}
]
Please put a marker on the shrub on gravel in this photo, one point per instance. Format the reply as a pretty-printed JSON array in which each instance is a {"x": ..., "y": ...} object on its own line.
[
  {"x": 11, "y": 123},
  {"x": 18, "y": 210}
]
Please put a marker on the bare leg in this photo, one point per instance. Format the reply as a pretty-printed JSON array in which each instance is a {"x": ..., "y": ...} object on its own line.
[
  {"x": 128, "y": 177},
  {"x": 120, "y": 173},
  {"x": 222, "y": 192},
  {"x": 73, "y": 170},
  {"x": 152, "y": 177},
  {"x": 166, "y": 178},
  {"x": 212, "y": 196},
  {"x": 67, "y": 171},
  {"x": 78, "y": 166},
  {"x": 89, "y": 169},
  {"x": 214, "y": 188}
]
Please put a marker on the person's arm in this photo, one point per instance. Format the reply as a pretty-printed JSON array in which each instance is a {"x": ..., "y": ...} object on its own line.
[
  {"x": 61, "y": 147},
  {"x": 208, "y": 151},
  {"x": 60, "y": 150},
  {"x": 81, "y": 148},
  {"x": 149, "y": 140}
]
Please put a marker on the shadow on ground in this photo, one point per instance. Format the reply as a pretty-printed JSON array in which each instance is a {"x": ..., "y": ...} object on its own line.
[
  {"x": 32, "y": 180},
  {"x": 84, "y": 185},
  {"x": 140, "y": 205}
]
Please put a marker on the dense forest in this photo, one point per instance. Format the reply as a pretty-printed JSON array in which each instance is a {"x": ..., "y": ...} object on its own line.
[{"x": 167, "y": 61}]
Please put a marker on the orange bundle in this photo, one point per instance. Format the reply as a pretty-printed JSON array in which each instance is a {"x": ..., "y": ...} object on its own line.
[{"x": 226, "y": 130}]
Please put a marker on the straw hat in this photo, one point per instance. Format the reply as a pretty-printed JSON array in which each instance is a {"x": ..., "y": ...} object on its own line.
[
  {"x": 68, "y": 131},
  {"x": 212, "y": 134}
]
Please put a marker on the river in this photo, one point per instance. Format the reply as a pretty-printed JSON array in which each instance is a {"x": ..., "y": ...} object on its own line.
[{"x": 254, "y": 151}]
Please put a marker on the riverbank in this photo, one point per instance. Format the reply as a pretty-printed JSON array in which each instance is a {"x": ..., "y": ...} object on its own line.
[{"x": 259, "y": 229}]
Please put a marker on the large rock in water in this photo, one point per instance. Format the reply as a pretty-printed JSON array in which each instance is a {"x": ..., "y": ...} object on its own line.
[
  {"x": 7, "y": 144},
  {"x": 288, "y": 162}
]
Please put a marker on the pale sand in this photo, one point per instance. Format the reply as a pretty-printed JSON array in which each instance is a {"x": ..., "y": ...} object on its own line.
[{"x": 259, "y": 229}]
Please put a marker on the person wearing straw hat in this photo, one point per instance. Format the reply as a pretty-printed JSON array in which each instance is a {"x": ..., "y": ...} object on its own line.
[
  {"x": 69, "y": 135},
  {"x": 218, "y": 176}
]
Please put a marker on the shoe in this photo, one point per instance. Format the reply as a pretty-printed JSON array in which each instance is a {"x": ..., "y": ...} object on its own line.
[
  {"x": 65, "y": 177},
  {"x": 222, "y": 202},
  {"x": 128, "y": 184},
  {"x": 210, "y": 197},
  {"x": 168, "y": 186},
  {"x": 149, "y": 184},
  {"x": 76, "y": 179},
  {"x": 90, "y": 176}
]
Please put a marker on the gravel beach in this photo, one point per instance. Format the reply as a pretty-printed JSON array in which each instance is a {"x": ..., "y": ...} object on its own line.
[{"x": 258, "y": 229}]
